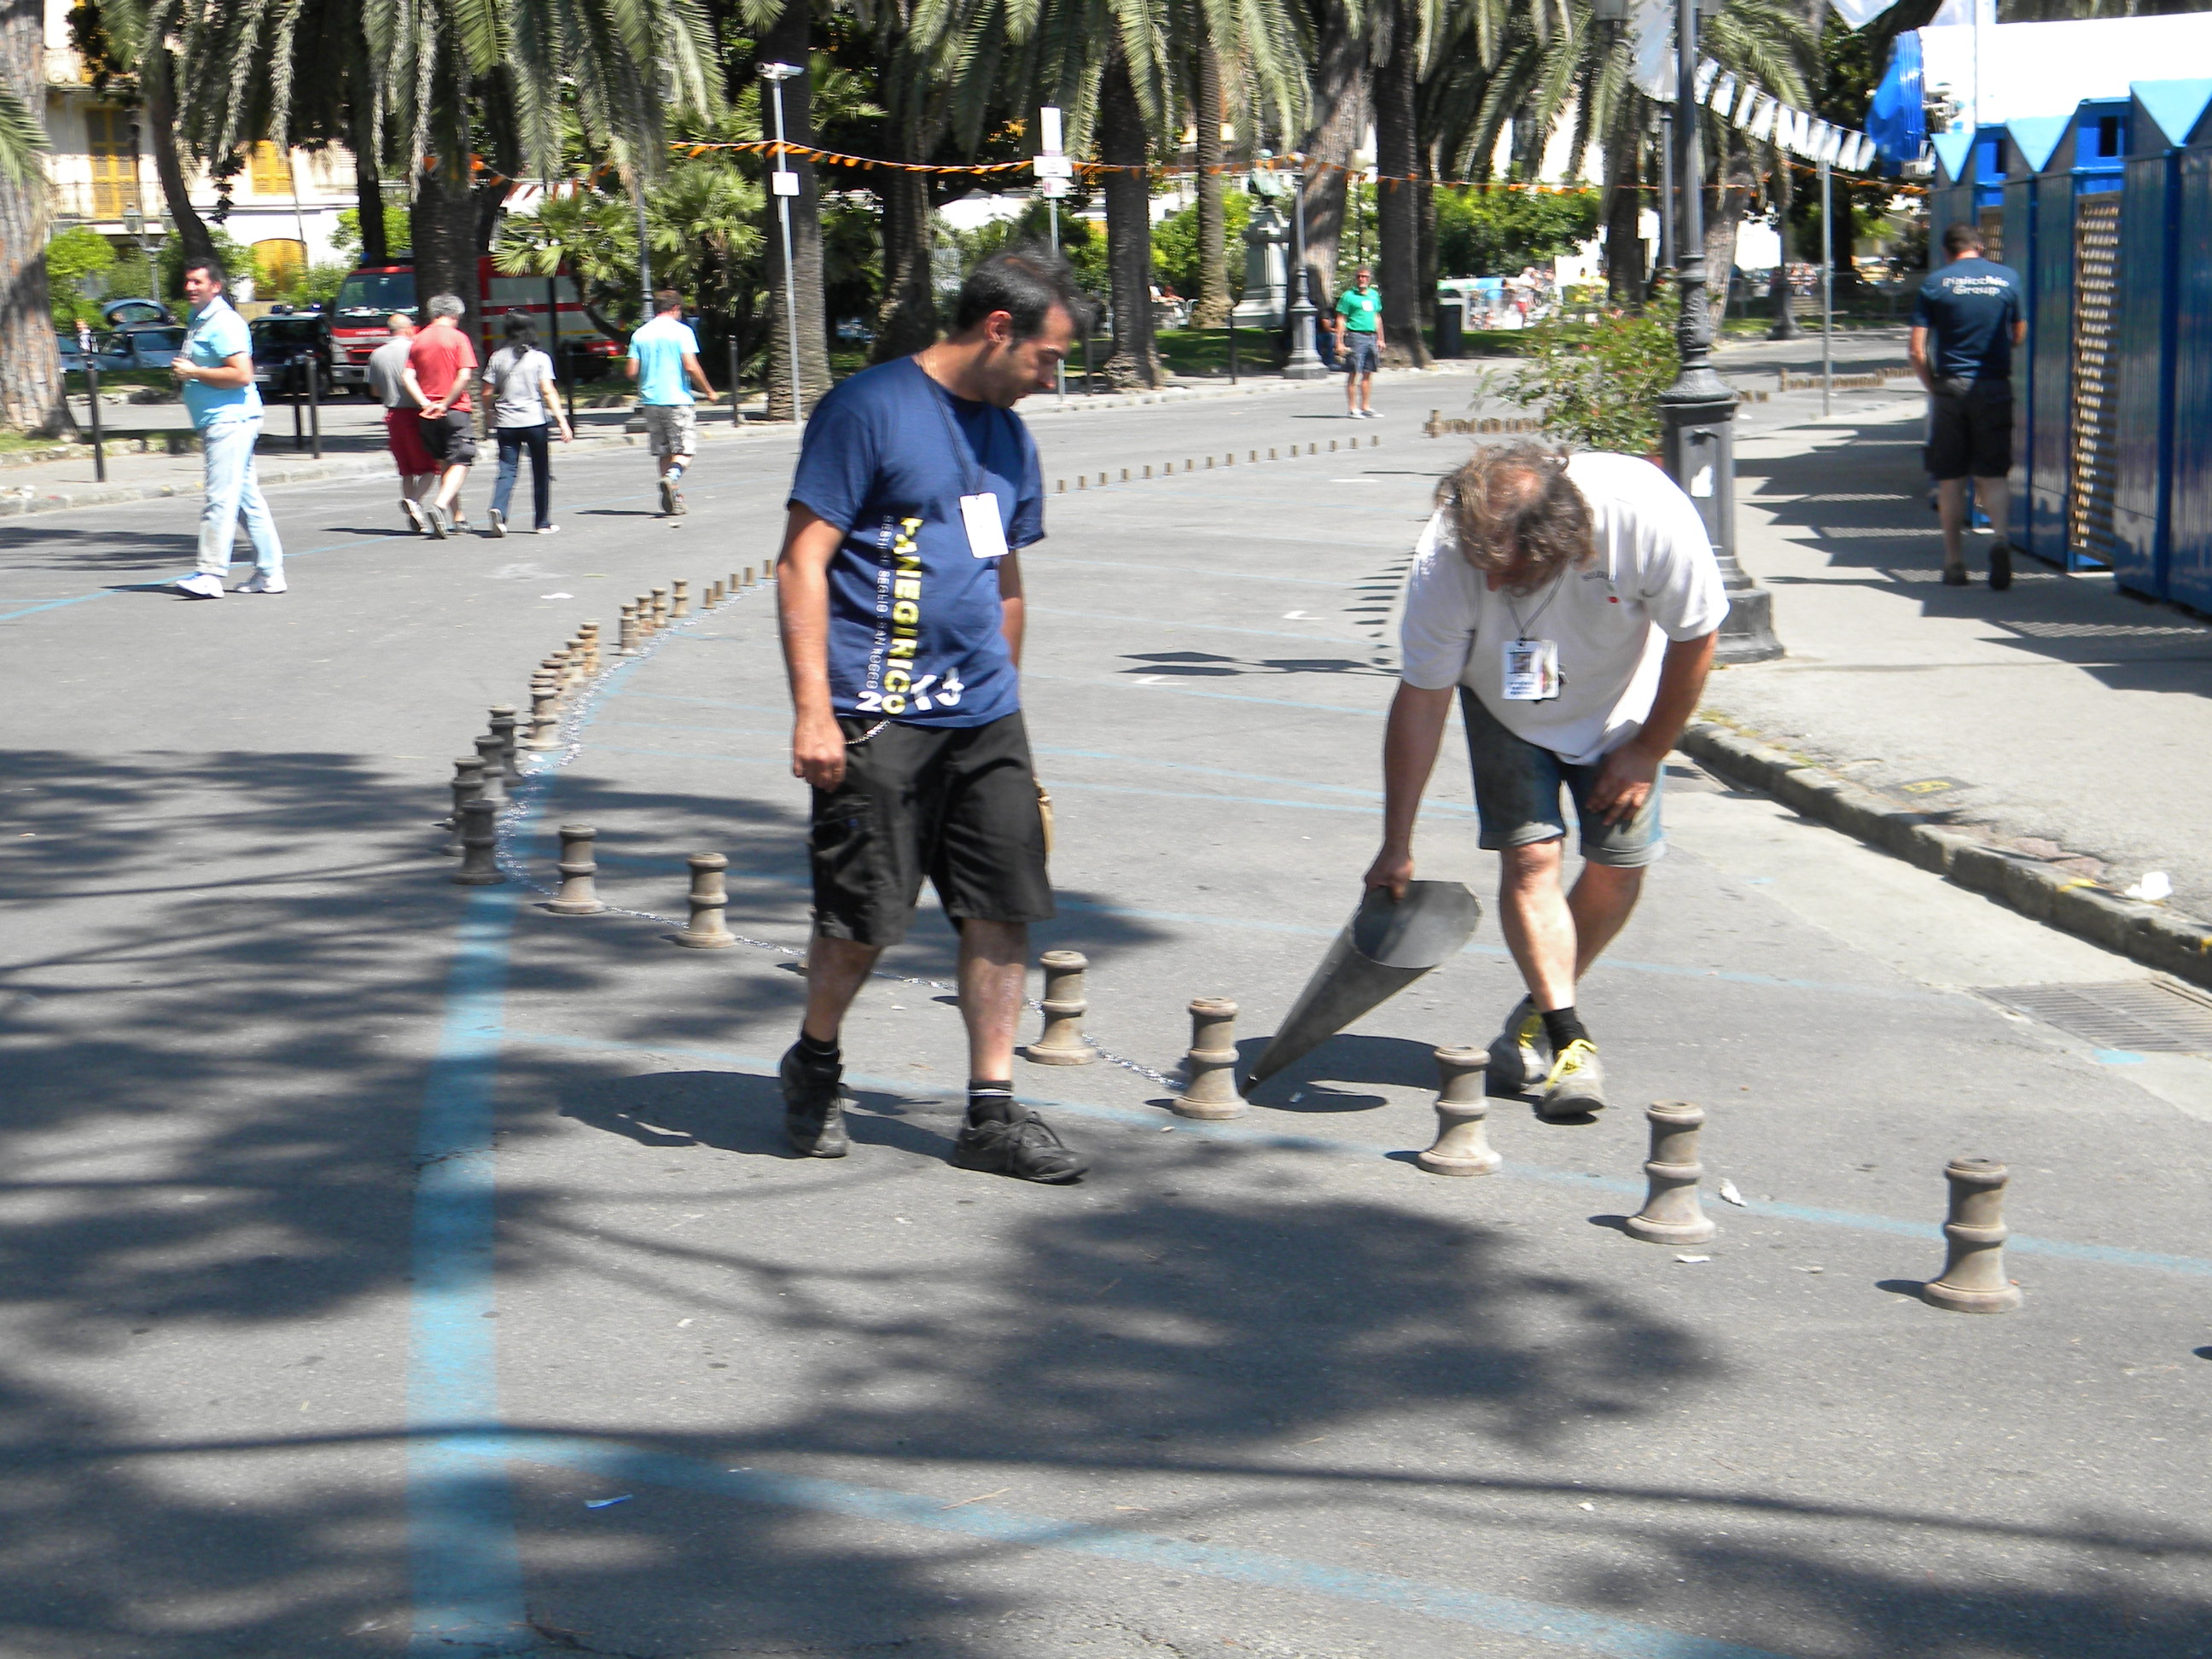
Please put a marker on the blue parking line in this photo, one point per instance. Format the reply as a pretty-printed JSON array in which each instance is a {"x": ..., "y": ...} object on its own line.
[
  {"x": 1514, "y": 1168},
  {"x": 617, "y": 1465}
]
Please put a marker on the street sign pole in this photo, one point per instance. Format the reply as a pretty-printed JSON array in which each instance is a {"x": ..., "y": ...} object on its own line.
[
  {"x": 1304, "y": 363},
  {"x": 1827, "y": 296},
  {"x": 1053, "y": 170},
  {"x": 785, "y": 184}
]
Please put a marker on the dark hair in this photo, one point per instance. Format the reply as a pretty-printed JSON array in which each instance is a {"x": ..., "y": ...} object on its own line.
[
  {"x": 1962, "y": 237},
  {"x": 210, "y": 264},
  {"x": 1513, "y": 508},
  {"x": 667, "y": 298},
  {"x": 521, "y": 330},
  {"x": 1026, "y": 283}
]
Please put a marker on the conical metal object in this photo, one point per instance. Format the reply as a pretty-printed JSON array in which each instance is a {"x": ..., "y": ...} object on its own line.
[{"x": 1386, "y": 945}]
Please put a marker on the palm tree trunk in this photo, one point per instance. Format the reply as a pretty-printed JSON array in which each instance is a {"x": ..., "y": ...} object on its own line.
[
  {"x": 1397, "y": 154},
  {"x": 1340, "y": 112},
  {"x": 1623, "y": 207},
  {"x": 1731, "y": 198},
  {"x": 445, "y": 224},
  {"x": 1212, "y": 308},
  {"x": 1121, "y": 143},
  {"x": 169, "y": 164},
  {"x": 30, "y": 368},
  {"x": 790, "y": 41},
  {"x": 905, "y": 320},
  {"x": 369, "y": 183},
  {"x": 1779, "y": 298}
]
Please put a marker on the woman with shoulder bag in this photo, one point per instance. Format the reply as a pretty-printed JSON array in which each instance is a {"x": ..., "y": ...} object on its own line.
[{"x": 526, "y": 407}]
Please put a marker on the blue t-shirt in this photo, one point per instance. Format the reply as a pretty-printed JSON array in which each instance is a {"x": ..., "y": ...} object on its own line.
[
  {"x": 214, "y": 335},
  {"x": 659, "y": 346},
  {"x": 914, "y": 615},
  {"x": 1969, "y": 308}
]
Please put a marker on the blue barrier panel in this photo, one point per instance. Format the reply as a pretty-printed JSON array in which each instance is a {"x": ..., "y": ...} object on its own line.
[
  {"x": 2189, "y": 571},
  {"x": 2149, "y": 206}
]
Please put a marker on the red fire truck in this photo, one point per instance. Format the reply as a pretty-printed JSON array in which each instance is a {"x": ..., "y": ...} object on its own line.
[{"x": 373, "y": 293}]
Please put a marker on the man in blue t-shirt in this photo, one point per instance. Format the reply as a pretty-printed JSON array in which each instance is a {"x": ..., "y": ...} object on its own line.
[
  {"x": 215, "y": 368},
  {"x": 664, "y": 360},
  {"x": 900, "y": 590},
  {"x": 1965, "y": 323}
]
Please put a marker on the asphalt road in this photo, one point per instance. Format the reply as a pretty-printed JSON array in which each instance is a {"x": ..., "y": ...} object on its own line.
[{"x": 369, "y": 1234}]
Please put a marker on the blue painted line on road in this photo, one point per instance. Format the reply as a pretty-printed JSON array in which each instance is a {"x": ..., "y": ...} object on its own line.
[
  {"x": 1846, "y": 1220},
  {"x": 1509, "y": 1615}
]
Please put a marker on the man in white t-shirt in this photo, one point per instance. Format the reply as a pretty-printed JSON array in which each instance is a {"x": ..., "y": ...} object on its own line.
[{"x": 1572, "y": 604}]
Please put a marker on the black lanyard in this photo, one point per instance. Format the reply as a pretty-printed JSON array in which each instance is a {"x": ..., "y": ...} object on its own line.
[
  {"x": 1520, "y": 629},
  {"x": 962, "y": 451}
]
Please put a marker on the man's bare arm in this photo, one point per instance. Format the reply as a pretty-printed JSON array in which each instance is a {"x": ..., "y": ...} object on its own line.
[
  {"x": 699, "y": 377},
  {"x": 1012, "y": 612},
  {"x": 802, "y": 600},
  {"x": 1409, "y": 755},
  {"x": 1623, "y": 778},
  {"x": 1916, "y": 353}
]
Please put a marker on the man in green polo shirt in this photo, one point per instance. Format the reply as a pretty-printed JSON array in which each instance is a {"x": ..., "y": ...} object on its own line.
[{"x": 1359, "y": 343}]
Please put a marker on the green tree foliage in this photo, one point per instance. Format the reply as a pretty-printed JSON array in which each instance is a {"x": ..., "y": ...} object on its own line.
[
  {"x": 345, "y": 237},
  {"x": 22, "y": 140},
  {"x": 1495, "y": 233},
  {"x": 1597, "y": 385},
  {"x": 77, "y": 260},
  {"x": 237, "y": 260},
  {"x": 1176, "y": 254}
]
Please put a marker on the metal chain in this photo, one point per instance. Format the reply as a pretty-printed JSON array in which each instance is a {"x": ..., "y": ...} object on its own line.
[{"x": 525, "y": 798}]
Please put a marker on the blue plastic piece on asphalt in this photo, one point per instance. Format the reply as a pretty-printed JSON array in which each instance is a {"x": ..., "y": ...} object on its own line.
[{"x": 2116, "y": 1057}]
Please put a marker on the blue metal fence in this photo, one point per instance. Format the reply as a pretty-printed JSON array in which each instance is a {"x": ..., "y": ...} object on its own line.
[{"x": 2188, "y": 571}]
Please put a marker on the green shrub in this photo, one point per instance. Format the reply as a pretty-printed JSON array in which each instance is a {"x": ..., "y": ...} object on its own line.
[
  {"x": 1495, "y": 232},
  {"x": 1597, "y": 385},
  {"x": 77, "y": 260},
  {"x": 1176, "y": 252}
]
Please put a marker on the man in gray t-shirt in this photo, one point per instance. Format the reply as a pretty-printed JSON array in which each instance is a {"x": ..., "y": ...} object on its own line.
[{"x": 387, "y": 364}]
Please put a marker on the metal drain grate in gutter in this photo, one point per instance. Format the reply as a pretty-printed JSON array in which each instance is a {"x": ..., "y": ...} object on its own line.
[{"x": 2148, "y": 1015}]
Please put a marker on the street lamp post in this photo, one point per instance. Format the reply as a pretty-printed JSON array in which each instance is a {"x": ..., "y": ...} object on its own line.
[
  {"x": 1053, "y": 170},
  {"x": 786, "y": 185},
  {"x": 1698, "y": 412},
  {"x": 1304, "y": 362}
]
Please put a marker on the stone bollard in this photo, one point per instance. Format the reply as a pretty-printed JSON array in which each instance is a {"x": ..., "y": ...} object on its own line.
[
  {"x": 736, "y": 585},
  {"x": 545, "y": 715},
  {"x": 553, "y": 671},
  {"x": 479, "y": 846},
  {"x": 1148, "y": 472},
  {"x": 578, "y": 895},
  {"x": 503, "y": 726},
  {"x": 573, "y": 671},
  {"x": 1124, "y": 475},
  {"x": 468, "y": 785},
  {"x": 1210, "y": 1068},
  {"x": 1209, "y": 464},
  {"x": 1375, "y": 442},
  {"x": 1973, "y": 1278},
  {"x": 659, "y": 598},
  {"x": 1273, "y": 456},
  {"x": 626, "y": 641},
  {"x": 1061, "y": 1042},
  {"x": 1671, "y": 1214},
  {"x": 714, "y": 593},
  {"x": 1435, "y": 423},
  {"x": 1332, "y": 445},
  {"x": 705, "y": 931},
  {"x": 749, "y": 576},
  {"x": 680, "y": 605},
  {"x": 590, "y": 635},
  {"x": 1462, "y": 1145},
  {"x": 489, "y": 756}
]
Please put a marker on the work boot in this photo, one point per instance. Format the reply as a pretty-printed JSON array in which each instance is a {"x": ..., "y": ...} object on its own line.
[
  {"x": 1576, "y": 1087},
  {"x": 1023, "y": 1147},
  {"x": 1522, "y": 1055},
  {"x": 813, "y": 1106},
  {"x": 2000, "y": 564}
]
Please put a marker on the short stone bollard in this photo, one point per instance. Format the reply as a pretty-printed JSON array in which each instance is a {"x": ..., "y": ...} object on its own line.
[
  {"x": 545, "y": 715},
  {"x": 468, "y": 785},
  {"x": 1273, "y": 456},
  {"x": 713, "y": 593},
  {"x": 1209, "y": 1091},
  {"x": 578, "y": 894},
  {"x": 1061, "y": 1042},
  {"x": 659, "y": 598},
  {"x": 1148, "y": 472},
  {"x": 680, "y": 604},
  {"x": 1462, "y": 1145},
  {"x": 589, "y": 633},
  {"x": 1332, "y": 445},
  {"x": 1973, "y": 1277},
  {"x": 479, "y": 846},
  {"x": 1671, "y": 1213},
  {"x": 626, "y": 640},
  {"x": 503, "y": 727},
  {"x": 749, "y": 576},
  {"x": 736, "y": 585},
  {"x": 490, "y": 756},
  {"x": 1209, "y": 464},
  {"x": 705, "y": 931},
  {"x": 1124, "y": 475}
]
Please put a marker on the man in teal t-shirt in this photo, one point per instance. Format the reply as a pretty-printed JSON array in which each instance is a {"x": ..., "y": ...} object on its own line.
[
  {"x": 217, "y": 371},
  {"x": 1359, "y": 343},
  {"x": 664, "y": 355}
]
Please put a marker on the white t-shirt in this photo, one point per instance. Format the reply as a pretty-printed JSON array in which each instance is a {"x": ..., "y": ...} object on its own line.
[
  {"x": 1655, "y": 579},
  {"x": 386, "y": 365},
  {"x": 518, "y": 380}
]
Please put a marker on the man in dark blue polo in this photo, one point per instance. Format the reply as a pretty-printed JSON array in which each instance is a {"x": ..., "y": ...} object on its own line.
[{"x": 1967, "y": 320}]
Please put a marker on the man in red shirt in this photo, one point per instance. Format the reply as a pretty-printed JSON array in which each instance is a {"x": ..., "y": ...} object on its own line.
[{"x": 439, "y": 364}]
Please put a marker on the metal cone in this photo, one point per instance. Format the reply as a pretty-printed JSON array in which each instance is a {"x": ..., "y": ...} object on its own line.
[{"x": 1386, "y": 946}]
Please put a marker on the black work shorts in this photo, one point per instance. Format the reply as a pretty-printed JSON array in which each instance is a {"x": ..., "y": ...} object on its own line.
[
  {"x": 957, "y": 805},
  {"x": 451, "y": 438},
  {"x": 1970, "y": 429}
]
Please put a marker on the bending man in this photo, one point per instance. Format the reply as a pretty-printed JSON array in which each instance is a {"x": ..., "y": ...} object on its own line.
[{"x": 1572, "y": 605}]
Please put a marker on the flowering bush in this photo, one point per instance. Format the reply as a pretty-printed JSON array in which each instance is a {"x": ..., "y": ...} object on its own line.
[{"x": 1596, "y": 384}]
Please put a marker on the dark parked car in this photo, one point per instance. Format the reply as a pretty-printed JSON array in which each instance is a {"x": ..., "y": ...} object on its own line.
[
  {"x": 135, "y": 313},
  {"x": 282, "y": 344}
]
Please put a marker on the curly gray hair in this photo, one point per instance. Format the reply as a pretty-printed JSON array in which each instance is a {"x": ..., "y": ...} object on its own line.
[
  {"x": 446, "y": 305},
  {"x": 1514, "y": 512}
]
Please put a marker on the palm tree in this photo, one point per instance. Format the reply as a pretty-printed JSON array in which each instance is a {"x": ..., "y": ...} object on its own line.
[{"x": 30, "y": 368}]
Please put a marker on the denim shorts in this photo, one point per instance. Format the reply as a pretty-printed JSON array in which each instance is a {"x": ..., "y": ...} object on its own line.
[
  {"x": 1361, "y": 353},
  {"x": 1517, "y": 796}
]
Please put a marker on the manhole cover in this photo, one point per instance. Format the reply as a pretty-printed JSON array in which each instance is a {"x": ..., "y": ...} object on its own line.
[{"x": 2149, "y": 1016}]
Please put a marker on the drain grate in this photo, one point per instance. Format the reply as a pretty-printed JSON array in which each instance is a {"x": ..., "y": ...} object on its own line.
[{"x": 2148, "y": 1015}]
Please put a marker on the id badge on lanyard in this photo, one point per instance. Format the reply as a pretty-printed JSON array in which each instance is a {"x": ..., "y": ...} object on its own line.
[
  {"x": 1532, "y": 670},
  {"x": 979, "y": 508}
]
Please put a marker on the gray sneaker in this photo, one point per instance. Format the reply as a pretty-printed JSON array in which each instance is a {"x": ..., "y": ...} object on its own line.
[
  {"x": 1522, "y": 1055},
  {"x": 1576, "y": 1087}
]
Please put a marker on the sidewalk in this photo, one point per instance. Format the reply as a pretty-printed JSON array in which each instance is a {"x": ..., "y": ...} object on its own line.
[{"x": 2059, "y": 725}]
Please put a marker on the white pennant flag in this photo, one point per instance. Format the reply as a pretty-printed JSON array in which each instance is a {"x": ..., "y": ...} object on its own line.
[
  {"x": 1653, "y": 69},
  {"x": 1762, "y": 118},
  {"x": 1857, "y": 14},
  {"x": 1831, "y": 145},
  {"x": 1746, "y": 107},
  {"x": 1706, "y": 70},
  {"x": 1723, "y": 99}
]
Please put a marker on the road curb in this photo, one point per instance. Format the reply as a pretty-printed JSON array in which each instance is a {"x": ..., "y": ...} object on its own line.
[{"x": 2149, "y": 934}]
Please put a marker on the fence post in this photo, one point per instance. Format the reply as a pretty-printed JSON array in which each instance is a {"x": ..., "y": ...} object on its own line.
[
  {"x": 1233, "y": 351},
  {"x": 99, "y": 446},
  {"x": 314, "y": 408}
]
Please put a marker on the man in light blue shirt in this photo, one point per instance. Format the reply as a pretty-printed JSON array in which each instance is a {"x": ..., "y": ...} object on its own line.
[
  {"x": 663, "y": 354},
  {"x": 216, "y": 370}
]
